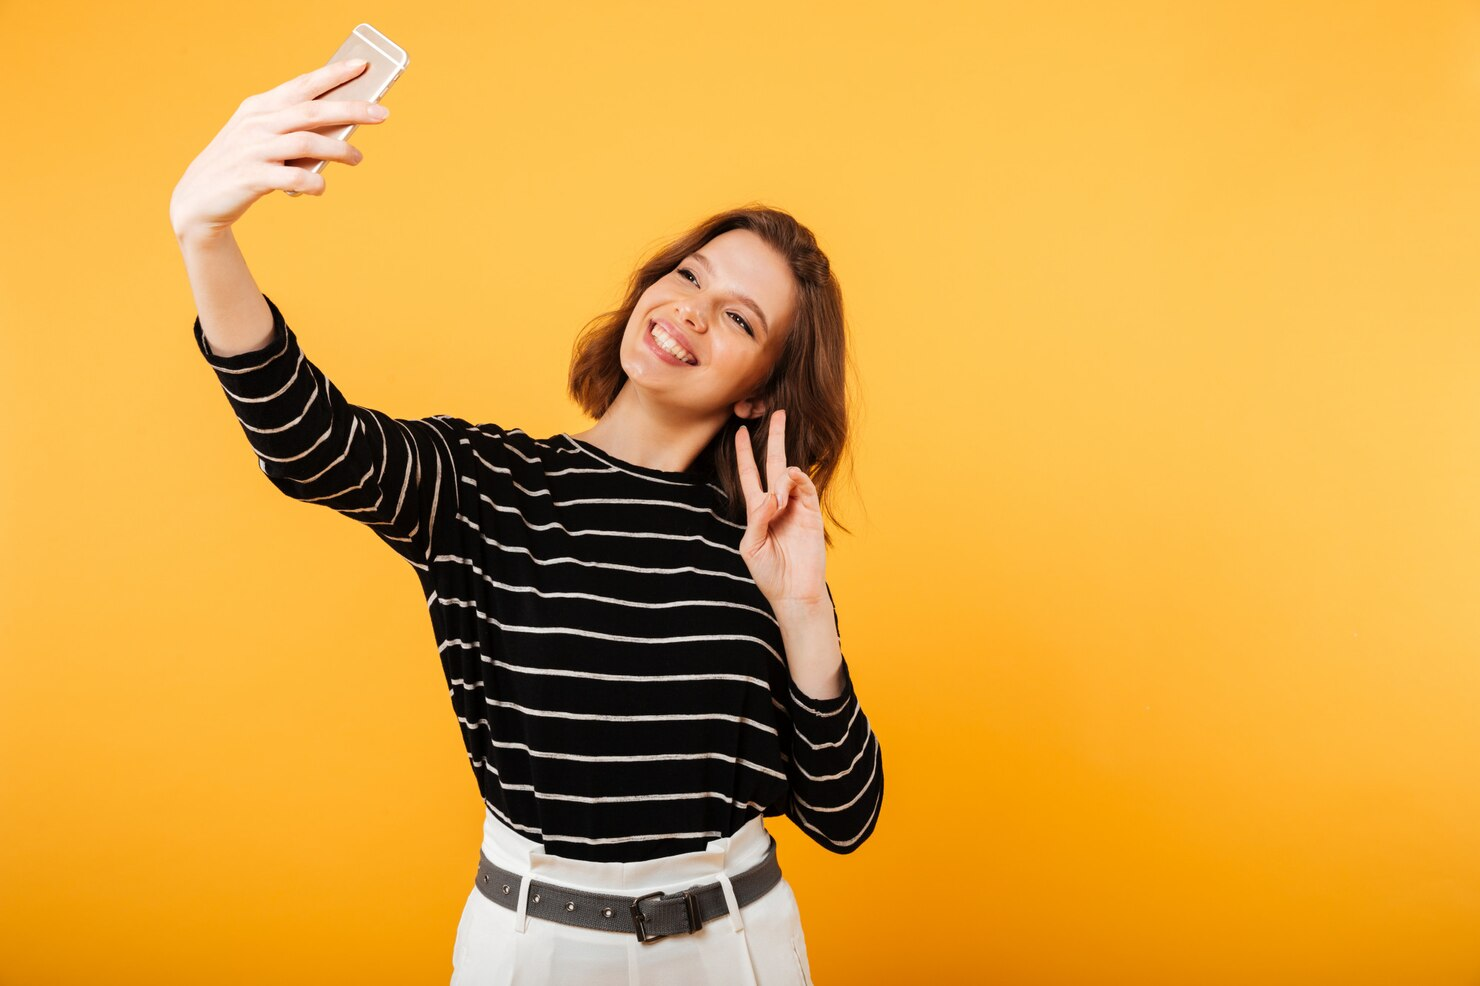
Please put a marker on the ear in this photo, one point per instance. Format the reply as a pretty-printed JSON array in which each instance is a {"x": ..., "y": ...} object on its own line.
[{"x": 750, "y": 408}]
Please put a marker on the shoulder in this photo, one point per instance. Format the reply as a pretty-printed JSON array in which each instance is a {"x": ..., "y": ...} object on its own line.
[{"x": 502, "y": 440}]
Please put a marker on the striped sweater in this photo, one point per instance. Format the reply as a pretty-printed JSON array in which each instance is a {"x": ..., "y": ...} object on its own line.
[{"x": 619, "y": 681}]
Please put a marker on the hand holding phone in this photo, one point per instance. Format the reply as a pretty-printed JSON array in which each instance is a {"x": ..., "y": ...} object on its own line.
[
  {"x": 281, "y": 139},
  {"x": 387, "y": 61}
]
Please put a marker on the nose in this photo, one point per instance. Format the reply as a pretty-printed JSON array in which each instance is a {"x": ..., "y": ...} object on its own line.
[{"x": 694, "y": 323}]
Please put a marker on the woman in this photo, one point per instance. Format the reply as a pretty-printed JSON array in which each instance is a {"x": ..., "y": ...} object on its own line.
[{"x": 638, "y": 639}]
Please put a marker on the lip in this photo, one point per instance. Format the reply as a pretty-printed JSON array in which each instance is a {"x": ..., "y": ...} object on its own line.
[
  {"x": 666, "y": 357},
  {"x": 678, "y": 336}
]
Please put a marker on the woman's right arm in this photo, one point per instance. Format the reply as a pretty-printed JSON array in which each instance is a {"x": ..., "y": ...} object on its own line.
[
  {"x": 396, "y": 476},
  {"x": 233, "y": 313},
  {"x": 399, "y": 477},
  {"x": 244, "y": 162}
]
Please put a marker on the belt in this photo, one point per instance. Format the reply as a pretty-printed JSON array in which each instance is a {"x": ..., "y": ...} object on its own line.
[{"x": 650, "y": 917}]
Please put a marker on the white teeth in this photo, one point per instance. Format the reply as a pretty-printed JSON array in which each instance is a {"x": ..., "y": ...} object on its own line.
[{"x": 671, "y": 346}]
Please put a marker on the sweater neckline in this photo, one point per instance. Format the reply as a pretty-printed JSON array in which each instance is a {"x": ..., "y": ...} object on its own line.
[{"x": 682, "y": 478}]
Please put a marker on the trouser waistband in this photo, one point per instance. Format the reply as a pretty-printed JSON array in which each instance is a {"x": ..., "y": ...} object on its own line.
[
  {"x": 649, "y": 916},
  {"x": 511, "y": 858}
]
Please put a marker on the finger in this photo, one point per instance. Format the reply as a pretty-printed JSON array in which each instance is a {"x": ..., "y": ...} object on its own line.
[
  {"x": 310, "y": 84},
  {"x": 294, "y": 181},
  {"x": 802, "y": 486},
  {"x": 776, "y": 457},
  {"x": 303, "y": 144},
  {"x": 315, "y": 114},
  {"x": 765, "y": 515},
  {"x": 758, "y": 524},
  {"x": 785, "y": 493},
  {"x": 750, "y": 479},
  {"x": 321, "y": 80}
]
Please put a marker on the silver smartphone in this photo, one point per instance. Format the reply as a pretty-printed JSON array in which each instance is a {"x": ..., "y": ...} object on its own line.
[{"x": 387, "y": 61}]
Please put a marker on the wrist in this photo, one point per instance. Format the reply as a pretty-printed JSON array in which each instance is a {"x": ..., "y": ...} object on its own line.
[
  {"x": 824, "y": 683},
  {"x": 802, "y": 608},
  {"x": 196, "y": 235}
]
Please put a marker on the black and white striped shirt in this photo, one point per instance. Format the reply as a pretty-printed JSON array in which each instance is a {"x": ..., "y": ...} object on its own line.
[{"x": 620, "y": 681}]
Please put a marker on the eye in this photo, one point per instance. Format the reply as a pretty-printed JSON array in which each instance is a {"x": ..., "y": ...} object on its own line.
[{"x": 685, "y": 272}]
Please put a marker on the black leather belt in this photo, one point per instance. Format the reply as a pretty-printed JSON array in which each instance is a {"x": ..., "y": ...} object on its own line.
[{"x": 650, "y": 917}]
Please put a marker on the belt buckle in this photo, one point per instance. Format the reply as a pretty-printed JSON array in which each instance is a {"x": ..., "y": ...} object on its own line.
[{"x": 691, "y": 907}]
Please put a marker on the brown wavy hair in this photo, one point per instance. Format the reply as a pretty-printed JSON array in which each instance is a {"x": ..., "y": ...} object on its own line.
[{"x": 809, "y": 380}]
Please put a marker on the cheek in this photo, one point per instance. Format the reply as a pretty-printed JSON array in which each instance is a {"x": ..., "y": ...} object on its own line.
[
  {"x": 632, "y": 340},
  {"x": 748, "y": 369},
  {"x": 758, "y": 361}
]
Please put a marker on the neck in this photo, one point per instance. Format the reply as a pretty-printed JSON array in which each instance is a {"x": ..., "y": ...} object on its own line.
[{"x": 650, "y": 436}]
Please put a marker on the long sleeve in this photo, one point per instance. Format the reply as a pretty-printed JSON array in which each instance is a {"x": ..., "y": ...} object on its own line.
[
  {"x": 836, "y": 770},
  {"x": 396, "y": 476}
]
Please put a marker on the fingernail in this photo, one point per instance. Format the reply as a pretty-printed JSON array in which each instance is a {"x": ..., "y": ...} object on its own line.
[{"x": 378, "y": 112}]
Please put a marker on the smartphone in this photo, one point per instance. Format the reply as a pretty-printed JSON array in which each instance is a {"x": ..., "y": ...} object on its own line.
[{"x": 387, "y": 61}]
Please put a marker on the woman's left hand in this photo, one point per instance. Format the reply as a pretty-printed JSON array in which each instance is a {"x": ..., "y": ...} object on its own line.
[{"x": 783, "y": 544}]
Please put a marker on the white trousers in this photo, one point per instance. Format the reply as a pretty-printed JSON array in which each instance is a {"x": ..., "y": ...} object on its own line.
[{"x": 760, "y": 944}]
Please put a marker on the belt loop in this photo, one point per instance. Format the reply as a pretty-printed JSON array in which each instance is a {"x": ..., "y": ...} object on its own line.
[
  {"x": 736, "y": 921},
  {"x": 521, "y": 913}
]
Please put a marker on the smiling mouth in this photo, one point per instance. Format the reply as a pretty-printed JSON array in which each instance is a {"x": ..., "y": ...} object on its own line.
[{"x": 670, "y": 345}]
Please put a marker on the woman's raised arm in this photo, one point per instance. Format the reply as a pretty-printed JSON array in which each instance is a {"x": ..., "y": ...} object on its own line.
[
  {"x": 242, "y": 163},
  {"x": 399, "y": 477},
  {"x": 396, "y": 476}
]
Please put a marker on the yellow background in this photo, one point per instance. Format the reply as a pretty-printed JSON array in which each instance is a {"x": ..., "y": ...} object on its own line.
[{"x": 1164, "y": 593}]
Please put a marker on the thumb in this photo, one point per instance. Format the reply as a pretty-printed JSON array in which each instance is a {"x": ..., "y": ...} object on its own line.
[
  {"x": 760, "y": 519},
  {"x": 770, "y": 507}
]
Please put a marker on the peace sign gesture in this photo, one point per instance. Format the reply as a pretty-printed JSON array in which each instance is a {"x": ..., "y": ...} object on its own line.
[{"x": 783, "y": 544}]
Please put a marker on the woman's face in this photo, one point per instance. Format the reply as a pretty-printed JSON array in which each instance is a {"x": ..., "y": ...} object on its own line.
[{"x": 725, "y": 311}]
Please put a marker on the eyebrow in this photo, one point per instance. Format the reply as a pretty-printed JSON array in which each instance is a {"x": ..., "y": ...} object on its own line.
[{"x": 747, "y": 300}]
